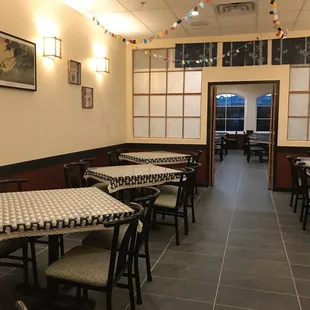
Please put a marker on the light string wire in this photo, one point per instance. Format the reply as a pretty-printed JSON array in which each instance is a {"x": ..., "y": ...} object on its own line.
[{"x": 200, "y": 5}]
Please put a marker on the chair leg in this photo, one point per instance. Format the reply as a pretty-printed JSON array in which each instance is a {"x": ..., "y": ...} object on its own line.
[
  {"x": 147, "y": 260},
  {"x": 34, "y": 262},
  {"x": 186, "y": 229},
  {"x": 176, "y": 225},
  {"x": 131, "y": 290},
  {"x": 302, "y": 211},
  {"x": 291, "y": 201},
  {"x": 304, "y": 226},
  {"x": 193, "y": 209},
  {"x": 61, "y": 245},
  {"x": 137, "y": 278},
  {"x": 109, "y": 300},
  {"x": 25, "y": 264},
  {"x": 296, "y": 202},
  {"x": 196, "y": 189}
]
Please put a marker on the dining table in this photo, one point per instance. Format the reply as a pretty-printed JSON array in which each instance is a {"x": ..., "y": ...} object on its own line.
[
  {"x": 132, "y": 176},
  {"x": 155, "y": 157},
  {"x": 54, "y": 212}
]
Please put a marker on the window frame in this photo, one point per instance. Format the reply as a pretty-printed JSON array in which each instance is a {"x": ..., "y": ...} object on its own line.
[
  {"x": 232, "y": 106},
  {"x": 261, "y": 118}
]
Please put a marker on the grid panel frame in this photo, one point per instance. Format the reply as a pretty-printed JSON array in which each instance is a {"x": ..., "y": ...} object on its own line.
[
  {"x": 299, "y": 92},
  {"x": 166, "y": 70}
]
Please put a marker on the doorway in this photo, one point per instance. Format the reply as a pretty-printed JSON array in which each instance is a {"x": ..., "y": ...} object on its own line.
[{"x": 243, "y": 112}]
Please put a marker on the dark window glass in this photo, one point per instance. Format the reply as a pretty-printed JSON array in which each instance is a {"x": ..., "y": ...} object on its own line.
[
  {"x": 220, "y": 125},
  {"x": 264, "y": 100},
  {"x": 234, "y": 125},
  {"x": 233, "y": 112},
  {"x": 263, "y": 112},
  {"x": 220, "y": 112},
  {"x": 263, "y": 125}
]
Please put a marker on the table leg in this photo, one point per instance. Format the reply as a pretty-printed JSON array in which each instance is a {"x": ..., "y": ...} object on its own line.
[{"x": 53, "y": 255}]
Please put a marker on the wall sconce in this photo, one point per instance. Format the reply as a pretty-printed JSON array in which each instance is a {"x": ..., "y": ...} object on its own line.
[
  {"x": 52, "y": 47},
  {"x": 102, "y": 65}
]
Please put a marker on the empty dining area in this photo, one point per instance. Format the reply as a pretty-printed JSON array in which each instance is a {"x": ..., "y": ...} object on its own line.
[{"x": 154, "y": 155}]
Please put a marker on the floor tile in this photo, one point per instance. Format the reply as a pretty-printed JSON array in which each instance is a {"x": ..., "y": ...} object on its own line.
[
  {"x": 301, "y": 272},
  {"x": 259, "y": 282},
  {"x": 265, "y": 255},
  {"x": 197, "y": 291},
  {"x": 297, "y": 247},
  {"x": 187, "y": 258},
  {"x": 298, "y": 238},
  {"x": 154, "y": 302},
  {"x": 299, "y": 259},
  {"x": 262, "y": 235},
  {"x": 257, "y": 267},
  {"x": 256, "y": 300},
  {"x": 303, "y": 287},
  {"x": 305, "y": 303},
  {"x": 255, "y": 243},
  {"x": 187, "y": 272},
  {"x": 198, "y": 247}
]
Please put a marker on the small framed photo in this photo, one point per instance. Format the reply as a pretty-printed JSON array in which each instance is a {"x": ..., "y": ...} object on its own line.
[
  {"x": 74, "y": 72},
  {"x": 87, "y": 97}
]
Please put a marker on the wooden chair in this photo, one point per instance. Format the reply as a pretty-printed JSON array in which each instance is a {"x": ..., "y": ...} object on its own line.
[
  {"x": 254, "y": 150},
  {"x": 103, "y": 239},
  {"x": 7, "y": 247},
  {"x": 219, "y": 147},
  {"x": 173, "y": 201},
  {"x": 114, "y": 158},
  {"x": 197, "y": 155},
  {"x": 193, "y": 190},
  {"x": 296, "y": 189},
  {"x": 93, "y": 268},
  {"x": 303, "y": 173},
  {"x": 74, "y": 175},
  {"x": 20, "y": 305},
  {"x": 88, "y": 162}
]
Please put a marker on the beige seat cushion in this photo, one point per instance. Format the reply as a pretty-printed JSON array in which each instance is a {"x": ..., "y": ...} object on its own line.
[
  {"x": 82, "y": 264},
  {"x": 103, "y": 239},
  {"x": 167, "y": 197},
  {"x": 102, "y": 186}
]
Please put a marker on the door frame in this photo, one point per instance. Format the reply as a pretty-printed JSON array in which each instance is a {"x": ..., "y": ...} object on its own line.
[{"x": 271, "y": 82}]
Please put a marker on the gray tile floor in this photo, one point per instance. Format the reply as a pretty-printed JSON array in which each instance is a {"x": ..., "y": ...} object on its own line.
[{"x": 246, "y": 251}]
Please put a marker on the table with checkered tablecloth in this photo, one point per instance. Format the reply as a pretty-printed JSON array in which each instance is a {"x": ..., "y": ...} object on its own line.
[
  {"x": 132, "y": 176},
  {"x": 53, "y": 212},
  {"x": 155, "y": 158}
]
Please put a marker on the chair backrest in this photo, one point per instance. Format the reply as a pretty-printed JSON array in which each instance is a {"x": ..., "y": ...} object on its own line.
[
  {"x": 11, "y": 185},
  {"x": 150, "y": 195},
  {"x": 122, "y": 150},
  {"x": 121, "y": 257},
  {"x": 114, "y": 158},
  {"x": 74, "y": 173},
  {"x": 20, "y": 305},
  {"x": 294, "y": 177},
  {"x": 302, "y": 173},
  {"x": 88, "y": 162},
  {"x": 196, "y": 155}
]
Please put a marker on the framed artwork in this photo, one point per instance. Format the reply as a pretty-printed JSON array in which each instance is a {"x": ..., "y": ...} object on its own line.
[
  {"x": 87, "y": 97},
  {"x": 17, "y": 63},
  {"x": 74, "y": 73}
]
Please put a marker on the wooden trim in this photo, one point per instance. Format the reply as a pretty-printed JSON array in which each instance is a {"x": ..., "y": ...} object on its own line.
[
  {"x": 168, "y": 94},
  {"x": 299, "y": 92}
]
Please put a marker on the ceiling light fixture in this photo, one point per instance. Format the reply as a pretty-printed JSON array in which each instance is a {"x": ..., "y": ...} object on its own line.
[{"x": 195, "y": 11}]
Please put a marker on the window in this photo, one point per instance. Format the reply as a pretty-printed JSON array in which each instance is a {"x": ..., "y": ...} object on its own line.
[
  {"x": 166, "y": 100},
  {"x": 229, "y": 112},
  {"x": 263, "y": 113},
  {"x": 299, "y": 105}
]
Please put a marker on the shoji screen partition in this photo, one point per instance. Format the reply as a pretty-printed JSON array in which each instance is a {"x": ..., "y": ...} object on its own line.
[
  {"x": 299, "y": 101},
  {"x": 166, "y": 100}
]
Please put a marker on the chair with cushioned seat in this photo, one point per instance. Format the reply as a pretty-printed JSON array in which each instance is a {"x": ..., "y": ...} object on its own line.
[
  {"x": 296, "y": 188},
  {"x": 173, "y": 200},
  {"x": 103, "y": 239},
  {"x": 196, "y": 166},
  {"x": 93, "y": 268},
  {"x": 7, "y": 247}
]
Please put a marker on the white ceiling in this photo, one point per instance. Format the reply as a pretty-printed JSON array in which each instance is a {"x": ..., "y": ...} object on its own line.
[{"x": 131, "y": 19}]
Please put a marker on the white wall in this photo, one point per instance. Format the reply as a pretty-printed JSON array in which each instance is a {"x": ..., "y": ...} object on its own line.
[
  {"x": 51, "y": 121},
  {"x": 251, "y": 92}
]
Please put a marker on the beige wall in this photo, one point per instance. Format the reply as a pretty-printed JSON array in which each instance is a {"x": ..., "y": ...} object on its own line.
[
  {"x": 250, "y": 92},
  {"x": 51, "y": 121},
  {"x": 222, "y": 74}
]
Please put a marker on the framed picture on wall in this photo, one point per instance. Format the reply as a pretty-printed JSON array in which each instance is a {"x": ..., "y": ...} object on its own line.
[
  {"x": 74, "y": 72},
  {"x": 87, "y": 97},
  {"x": 17, "y": 62}
]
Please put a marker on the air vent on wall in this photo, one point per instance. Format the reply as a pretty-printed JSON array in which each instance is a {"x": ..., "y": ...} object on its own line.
[{"x": 235, "y": 8}]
